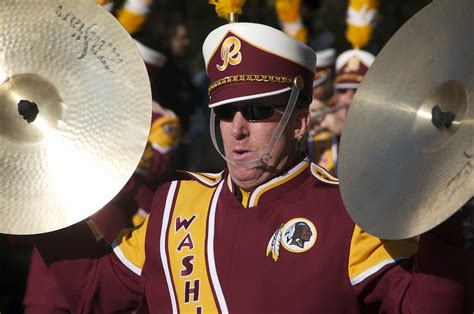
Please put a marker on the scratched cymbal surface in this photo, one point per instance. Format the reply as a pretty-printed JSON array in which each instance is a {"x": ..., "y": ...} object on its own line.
[{"x": 75, "y": 111}]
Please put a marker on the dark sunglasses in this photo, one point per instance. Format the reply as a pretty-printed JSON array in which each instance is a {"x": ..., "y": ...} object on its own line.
[{"x": 250, "y": 113}]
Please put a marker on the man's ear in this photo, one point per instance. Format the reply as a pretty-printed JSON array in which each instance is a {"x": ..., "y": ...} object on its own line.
[{"x": 302, "y": 122}]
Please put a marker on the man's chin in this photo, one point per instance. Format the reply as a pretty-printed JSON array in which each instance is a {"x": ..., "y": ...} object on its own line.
[
  {"x": 250, "y": 178},
  {"x": 241, "y": 167},
  {"x": 243, "y": 175}
]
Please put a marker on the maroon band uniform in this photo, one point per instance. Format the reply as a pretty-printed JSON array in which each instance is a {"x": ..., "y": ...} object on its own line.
[{"x": 287, "y": 247}]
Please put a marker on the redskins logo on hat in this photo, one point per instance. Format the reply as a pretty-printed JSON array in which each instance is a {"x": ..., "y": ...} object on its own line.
[
  {"x": 297, "y": 236},
  {"x": 230, "y": 53}
]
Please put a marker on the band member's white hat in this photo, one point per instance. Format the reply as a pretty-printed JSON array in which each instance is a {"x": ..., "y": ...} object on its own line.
[{"x": 247, "y": 61}]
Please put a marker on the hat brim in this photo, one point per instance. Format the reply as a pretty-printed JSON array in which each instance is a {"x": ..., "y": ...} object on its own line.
[
  {"x": 243, "y": 91},
  {"x": 347, "y": 85}
]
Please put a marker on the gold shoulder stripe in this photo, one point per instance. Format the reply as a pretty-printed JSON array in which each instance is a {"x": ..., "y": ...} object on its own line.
[
  {"x": 369, "y": 254},
  {"x": 323, "y": 175},
  {"x": 129, "y": 247}
]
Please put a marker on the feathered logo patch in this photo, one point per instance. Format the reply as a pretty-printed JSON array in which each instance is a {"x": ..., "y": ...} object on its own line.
[{"x": 297, "y": 235}]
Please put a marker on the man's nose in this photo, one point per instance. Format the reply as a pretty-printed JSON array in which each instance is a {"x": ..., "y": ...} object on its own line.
[{"x": 239, "y": 126}]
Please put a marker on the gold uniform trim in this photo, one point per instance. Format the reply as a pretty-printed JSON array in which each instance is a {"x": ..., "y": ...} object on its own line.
[
  {"x": 131, "y": 243},
  {"x": 187, "y": 248},
  {"x": 208, "y": 179},
  {"x": 323, "y": 175},
  {"x": 277, "y": 182},
  {"x": 250, "y": 78},
  {"x": 368, "y": 254}
]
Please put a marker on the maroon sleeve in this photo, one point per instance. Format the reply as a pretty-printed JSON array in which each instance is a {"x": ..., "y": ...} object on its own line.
[
  {"x": 434, "y": 281},
  {"x": 445, "y": 269},
  {"x": 43, "y": 294},
  {"x": 91, "y": 277}
]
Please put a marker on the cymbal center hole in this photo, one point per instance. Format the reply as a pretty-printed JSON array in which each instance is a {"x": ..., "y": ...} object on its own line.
[
  {"x": 441, "y": 119},
  {"x": 28, "y": 110}
]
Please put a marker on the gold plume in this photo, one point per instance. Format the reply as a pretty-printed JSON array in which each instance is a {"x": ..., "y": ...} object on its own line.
[
  {"x": 361, "y": 15},
  {"x": 228, "y": 9},
  {"x": 289, "y": 15}
]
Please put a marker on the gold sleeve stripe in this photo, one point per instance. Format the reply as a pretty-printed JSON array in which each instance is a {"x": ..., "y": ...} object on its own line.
[
  {"x": 129, "y": 247},
  {"x": 323, "y": 175},
  {"x": 369, "y": 254},
  {"x": 139, "y": 217},
  {"x": 362, "y": 276}
]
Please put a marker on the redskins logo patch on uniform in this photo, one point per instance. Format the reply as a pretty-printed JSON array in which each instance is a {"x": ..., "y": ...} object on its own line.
[{"x": 297, "y": 236}]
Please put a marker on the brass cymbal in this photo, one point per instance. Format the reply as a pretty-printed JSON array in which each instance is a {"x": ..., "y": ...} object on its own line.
[
  {"x": 75, "y": 110},
  {"x": 406, "y": 155}
]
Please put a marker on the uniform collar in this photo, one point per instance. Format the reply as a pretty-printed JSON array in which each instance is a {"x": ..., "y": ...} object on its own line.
[{"x": 270, "y": 190}]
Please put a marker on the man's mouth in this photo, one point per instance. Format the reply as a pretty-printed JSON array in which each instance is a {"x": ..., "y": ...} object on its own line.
[{"x": 241, "y": 154}]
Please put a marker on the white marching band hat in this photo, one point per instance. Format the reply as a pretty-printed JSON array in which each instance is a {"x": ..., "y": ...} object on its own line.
[
  {"x": 248, "y": 61},
  {"x": 351, "y": 67}
]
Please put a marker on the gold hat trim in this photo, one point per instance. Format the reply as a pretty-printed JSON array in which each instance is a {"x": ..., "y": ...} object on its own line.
[{"x": 250, "y": 78}]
